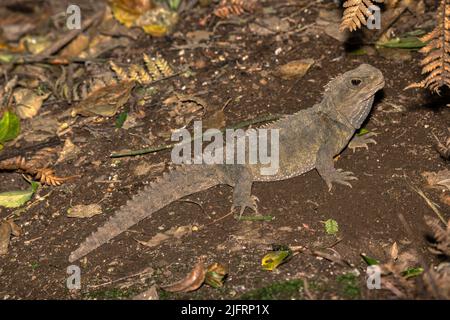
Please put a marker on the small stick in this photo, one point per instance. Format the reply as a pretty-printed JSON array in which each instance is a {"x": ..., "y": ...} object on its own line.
[
  {"x": 256, "y": 218},
  {"x": 428, "y": 201}
]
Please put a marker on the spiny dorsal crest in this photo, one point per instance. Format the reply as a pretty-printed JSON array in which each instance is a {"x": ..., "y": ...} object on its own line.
[{"x": 356, "y": 13}]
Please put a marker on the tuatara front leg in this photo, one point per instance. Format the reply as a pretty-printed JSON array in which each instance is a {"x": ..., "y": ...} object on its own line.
[
  {"x": 362, "y": 141},
  {"x": 242, "y": 193},
  {"x": 325, "y": 167}
]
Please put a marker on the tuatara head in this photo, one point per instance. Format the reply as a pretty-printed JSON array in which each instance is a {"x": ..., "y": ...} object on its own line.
[{"x": 352, "y": 93}]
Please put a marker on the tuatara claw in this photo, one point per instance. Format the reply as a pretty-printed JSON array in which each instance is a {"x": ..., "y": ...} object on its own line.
[
  {"x": 362, "y": 141},
  {"x": 341, "y": 177},
  {"x": 242, "y": 203}
]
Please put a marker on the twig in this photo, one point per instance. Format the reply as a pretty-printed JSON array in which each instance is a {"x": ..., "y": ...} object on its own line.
[
  {"x": 48, "y": 52},
  {"x": 428, "y": 201},
  {"x": 120, "y": 279},
  {"x": 256, "y": 218},
  {"x": 169, "y": 146}
]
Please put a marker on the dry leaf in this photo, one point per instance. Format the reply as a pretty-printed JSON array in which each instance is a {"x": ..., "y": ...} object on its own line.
[
  {"x": 294, "y": 69},
  {"x": 394, "y": 251},
  {"x": 215, "y": 275},
  {"x": 105, "y": 101},
  {"x": 69, "y": 151},
  {"x": 216, "y": 120},
  {"x": 7, "y": 228},
  {"x": 150, "y": 294},
  {"x": 76, "y": 47},
  {"x": 84, "y": 211},
  {"x": 445, "y": 198},
  {"x": 5, "y": 236},
  {"x": 155, "y": 241},
  {"x": 175, "y": 232},
  {"x": 156, "y": 21},
  {"x": 440, "y": 178},
  {"x": 191, "y": 282},
  {"x": 28, "y": 103}
]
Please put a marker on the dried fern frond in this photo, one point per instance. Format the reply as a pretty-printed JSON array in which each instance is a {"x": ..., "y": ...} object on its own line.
[
  {"x": 164, "y": 67},
  {"x": 226, "y": 8},
  {"x": 441, "y": 235},
  {"x": 33, "y": 168},
  {"x": 437, "y": 60},
  {"x": 120, "y": 72},
  {"x": 356, "y": 13},
  {"x": 158, "y": 68},
  {"x": 47, "y": 176},
  {"x": 152, "y": 68}
]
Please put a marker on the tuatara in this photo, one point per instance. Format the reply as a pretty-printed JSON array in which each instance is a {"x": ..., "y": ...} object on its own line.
[{"x": 308, "y": 139}]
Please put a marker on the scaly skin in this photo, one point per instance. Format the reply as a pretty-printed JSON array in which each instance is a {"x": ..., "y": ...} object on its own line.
[{"x": 308, "y": 140}]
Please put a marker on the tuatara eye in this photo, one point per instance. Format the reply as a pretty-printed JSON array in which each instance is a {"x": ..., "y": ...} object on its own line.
[{"x": 356, "y": 82}]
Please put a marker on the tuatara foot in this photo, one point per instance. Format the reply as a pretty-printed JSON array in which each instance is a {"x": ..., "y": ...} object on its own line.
[
  {"x": 244, "y": 202},
  {"x": 339, "y": 176},
  {"x": 362, "y": 141}
]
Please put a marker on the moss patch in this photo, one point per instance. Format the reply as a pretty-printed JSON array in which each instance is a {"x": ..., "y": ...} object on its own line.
[{"x": 280, "y": 290}]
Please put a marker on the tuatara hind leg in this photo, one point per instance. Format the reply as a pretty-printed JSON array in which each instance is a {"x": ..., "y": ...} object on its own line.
[{"x": 362, "y": 141}]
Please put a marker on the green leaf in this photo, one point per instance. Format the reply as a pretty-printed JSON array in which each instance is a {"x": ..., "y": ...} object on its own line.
[
  {"x": 331, "y": 226},
  {"x": 9, "y": 126},
  {"x": 273, "y": 259},
  {"x": 358, "y": 52},
  {"x": 412, "y": 272},
  {"x": 14, "y": 199},
  {"x": 403, "y": 43},
  {"x": 370, "y": 261},
  {"x": 362, "y": 132},
  {"x": 121, "y": 118}
]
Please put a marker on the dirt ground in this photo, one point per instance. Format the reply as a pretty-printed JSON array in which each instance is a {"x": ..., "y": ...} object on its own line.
[{"x": 236, "y": 65}]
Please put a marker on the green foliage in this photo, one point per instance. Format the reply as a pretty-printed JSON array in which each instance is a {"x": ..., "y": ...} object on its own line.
[
  {"x": 331, "y": 226},
  {"x": 349, "y": 285},
  {"x": 14, "y": 199},
  {"x": 278, "y": 290},
  {"x": 9, "y": 127}
]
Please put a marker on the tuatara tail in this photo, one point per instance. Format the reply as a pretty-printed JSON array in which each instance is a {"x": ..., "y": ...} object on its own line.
[{"x": 170, "y": 187}]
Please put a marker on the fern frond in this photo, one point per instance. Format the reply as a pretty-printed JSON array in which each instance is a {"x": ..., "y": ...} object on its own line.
[
  {"x": 226, "y": 8},
  {"x": 36, "y": 167},
  {"x": 120, "y": 72},
  {"x": 152, "y": 68},
  {"x": 436, "y": 63},
  {"x": 441, "y": 235},
  {"x": 164, "y": 67},
  {"x": 356, "y": 13}
]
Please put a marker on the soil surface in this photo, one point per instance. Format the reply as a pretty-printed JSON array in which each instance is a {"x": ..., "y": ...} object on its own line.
[{"x": 236, "y": 66}]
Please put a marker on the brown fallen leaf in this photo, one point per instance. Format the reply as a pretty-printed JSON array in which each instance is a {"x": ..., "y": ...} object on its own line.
[
  {"x": 438, "y": 179},
  {"x": 175, "y": 232},
  {"x": 84, "y": 211},
  {"x": 445, "y": 198},
  {"x": 215, "y": 275},
  {"x": 394, "y": 251},
  {"x": 78, "y": 45},
  {"x": 217, "y": 120},
  {"x": 69, "y": 151},
  {"x": 28, "y": 102},
  {"x": 294, "y": 69},
  {"x": 7, "y": 228},
  {"x": 105, "y": 101},
  {"x": 150, "y": 294},
  {"x": 191, "y": 282}
]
